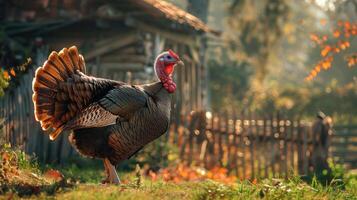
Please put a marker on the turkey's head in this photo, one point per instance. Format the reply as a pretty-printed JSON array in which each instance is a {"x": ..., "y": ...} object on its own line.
[{"x": 164, "y": 66}]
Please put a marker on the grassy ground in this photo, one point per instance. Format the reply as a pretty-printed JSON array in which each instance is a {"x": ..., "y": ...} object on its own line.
[
  {"x": 269, "y": 189},
  {"x": 20, "y": 178}
]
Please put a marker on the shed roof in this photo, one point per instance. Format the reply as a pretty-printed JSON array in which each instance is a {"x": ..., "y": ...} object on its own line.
[
  {"x": 49, "y": 10},
  {"x": 174, "y": 13}
]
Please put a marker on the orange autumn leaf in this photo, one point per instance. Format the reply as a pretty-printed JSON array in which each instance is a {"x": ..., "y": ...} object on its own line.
[
  {"x": 336, "y": 50},
  {"x": 326, "y": 65},
  {"x": 255, "y": 181},
  {"x": 347, "y": 25},
  {"x": 347, "y": 43},
  {"x": 354, "y": 32},
  {"x": 336, "y": 33},
  {"x": 53, "y": 175},
  {"x": 153, "y": 175},
  {"x": 325, "y": 51},
  {"x": 315, "y": 38},
  {"x": 5, "y": 156},
  {"x": 343, "y": 46},
  {"x": 313, "y": 73},
  {"x": 12, "y": 72},
  {"x": 352, "y": 60},
  {"x": 6, "y": 75},
  {"x": 318, "y": 68}
]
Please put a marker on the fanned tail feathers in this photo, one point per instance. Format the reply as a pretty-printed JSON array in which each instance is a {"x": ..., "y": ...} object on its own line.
[{"x": 51, "y": 108}]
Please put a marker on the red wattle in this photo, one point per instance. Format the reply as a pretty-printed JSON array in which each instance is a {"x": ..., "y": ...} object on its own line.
[
  {"x": 169, "y": 85},
  {"x": 169, "y": 69}
]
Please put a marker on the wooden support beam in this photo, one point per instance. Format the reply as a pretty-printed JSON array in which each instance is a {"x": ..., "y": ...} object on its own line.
[
  {"x": 123, "y": 66},
  {"x": 108, "y": 45},
  {"x": 126, "y": 58},
  {"x": 180, "y": 38}
]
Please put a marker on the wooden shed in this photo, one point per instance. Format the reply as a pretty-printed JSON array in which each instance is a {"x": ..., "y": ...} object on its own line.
[{"x": 119, "y": 40}]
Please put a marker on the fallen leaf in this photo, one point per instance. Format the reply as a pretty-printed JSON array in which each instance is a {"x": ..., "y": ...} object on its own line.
[{"x": 53, "y": 175}]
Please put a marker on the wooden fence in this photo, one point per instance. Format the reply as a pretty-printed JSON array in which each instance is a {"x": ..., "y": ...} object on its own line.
[{"x": 248, "y": 145}]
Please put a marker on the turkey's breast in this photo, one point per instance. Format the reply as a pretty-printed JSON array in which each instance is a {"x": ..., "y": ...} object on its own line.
[{"x": 123, "y": 139}]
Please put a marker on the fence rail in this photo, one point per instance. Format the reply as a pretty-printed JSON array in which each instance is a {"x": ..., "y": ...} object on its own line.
[{"x": 344, "y": 145}]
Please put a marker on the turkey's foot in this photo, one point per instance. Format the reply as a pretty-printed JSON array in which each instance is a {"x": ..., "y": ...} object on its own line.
[
  {"x": 112, "y": 176},
  {"x": 105, "y": 181}
]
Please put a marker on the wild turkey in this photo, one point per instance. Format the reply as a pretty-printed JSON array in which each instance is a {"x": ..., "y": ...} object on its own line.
[{"x": 110, "y": 120}]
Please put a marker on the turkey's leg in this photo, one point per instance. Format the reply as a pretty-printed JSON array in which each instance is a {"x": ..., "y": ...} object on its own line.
[
  {"x": 111, "y": 172},
  {"x": 106, "y": 171}
]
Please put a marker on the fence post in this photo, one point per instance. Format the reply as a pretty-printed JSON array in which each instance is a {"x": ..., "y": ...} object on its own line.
[
  {"x": 305, "y": 151},
  {"x": 285, "y": 158},
  {"x": 251, "y": 138},
  {"x": 273, "y": 139},
  {"x": 242, "y": 137},
  {"x": 220, "y": 132},
  {"x": 235, "y": 143},
  {"x": 265, "y": 141}
]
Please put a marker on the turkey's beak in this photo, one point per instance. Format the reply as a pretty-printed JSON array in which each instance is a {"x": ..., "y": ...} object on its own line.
[{"x": 180, "y": 63}]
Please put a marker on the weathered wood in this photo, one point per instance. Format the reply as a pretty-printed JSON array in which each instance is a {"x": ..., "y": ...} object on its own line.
[
  {"x": 300, "y": 149},
  {"x": 265, "y": 141},
  {"x": 251, "y": 135},
  {"x": 285, "y": 149},
  {"x": 124, "y": 58},
  {"x": 220, "y": 138},
  {"x": 110, "y": 45},
  {"x": 273, "y": 145},
  {"x": 112, "y": 67},
  {"x": 243, "y": 144},
  {"x": 235, "y": 144},
  {"x": 177, "y": 37},
  {"x": 305, "y": 159}
]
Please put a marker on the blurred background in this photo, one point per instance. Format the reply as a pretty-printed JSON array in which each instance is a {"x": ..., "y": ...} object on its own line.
[{"x": 260, "y": 74}]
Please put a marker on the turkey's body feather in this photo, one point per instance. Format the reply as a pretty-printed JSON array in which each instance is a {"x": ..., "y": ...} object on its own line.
[{"x": 121, "y": 140}]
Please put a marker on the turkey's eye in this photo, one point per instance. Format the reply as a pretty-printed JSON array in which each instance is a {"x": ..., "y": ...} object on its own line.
[{"x": 169, "y": 57}]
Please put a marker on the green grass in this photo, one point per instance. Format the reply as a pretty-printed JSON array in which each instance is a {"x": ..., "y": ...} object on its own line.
[
  {"x": 266, "y": 189},
  {"x": 83, "y": 182}
]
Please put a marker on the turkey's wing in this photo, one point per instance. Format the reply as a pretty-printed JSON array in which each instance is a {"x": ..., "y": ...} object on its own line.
[
  {"x": 124, "y": 101},
  {"x": 78, "y": 92}
]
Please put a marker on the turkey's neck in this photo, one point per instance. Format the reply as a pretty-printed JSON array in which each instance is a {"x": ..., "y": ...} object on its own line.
[
  {"x": 152, "y": 88},
  {"x": 158, "y": 92}
]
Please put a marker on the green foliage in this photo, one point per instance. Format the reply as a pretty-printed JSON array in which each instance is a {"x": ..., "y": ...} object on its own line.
[
  {"x": 158, "y": 154},
  {"x": 229, "y": 81},
  {"x": 257, "y": 31},
  {"x": 20, "y": 174},
  {"x": 305, "y": 102},
  {"x": 3, "y": 83},
  {"x": 16, "y": 158}
]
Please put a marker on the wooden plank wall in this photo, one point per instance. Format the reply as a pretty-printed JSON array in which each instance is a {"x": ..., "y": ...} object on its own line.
[{"x": 21, "y": 129}]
